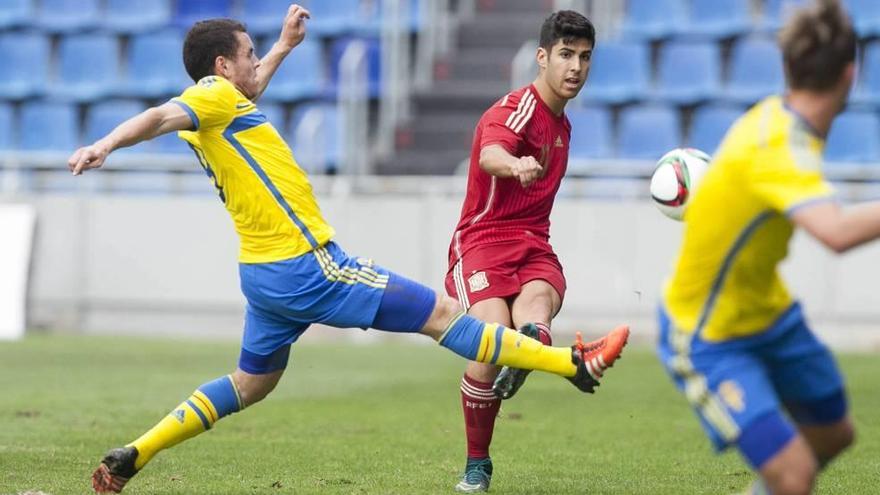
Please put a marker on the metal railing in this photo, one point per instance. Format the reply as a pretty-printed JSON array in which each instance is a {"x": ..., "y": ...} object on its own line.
[{"x": 353, "y": 106}]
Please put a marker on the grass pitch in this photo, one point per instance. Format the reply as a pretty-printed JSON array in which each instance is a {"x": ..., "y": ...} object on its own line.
[{"x": 381, "y": 419}]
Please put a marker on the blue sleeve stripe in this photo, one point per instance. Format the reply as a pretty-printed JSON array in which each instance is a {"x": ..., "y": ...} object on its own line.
[
  {"x": 246, "y": 122},
  {"x": 192, "y": 115},
  {"x": 499, "y": 336},
  {"x": 808, "y": 202},
  {"x": 200, "y": 414}
]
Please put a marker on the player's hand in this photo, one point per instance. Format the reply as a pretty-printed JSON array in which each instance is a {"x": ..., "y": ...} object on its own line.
[
  {"x": 294, "y": 29},
  {"x": 527, "y": 170},
  {"x": 87, "y": 157}
]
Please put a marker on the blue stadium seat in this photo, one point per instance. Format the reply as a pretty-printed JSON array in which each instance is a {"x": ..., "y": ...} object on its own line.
[
  {"x": 620, "y": 72},
  {"x": 867, "y": 89},
  {"x": 25, "y": 69},
  {"x": 169, "y": 143},
  {"x": 777, "y": 11},
  {"x": 16, "y": 13},
  {"x": 189, "y": 12},
  {"x": 136, "y": 16},
  {"x": 709, "y": 125},
  {"x": 755, "y": 71},
  {"x": 854, "y": 137},
  {"x": 101, "y": 118},
  {"x": 274, "y": 114},
  {"x": 88, "y": 67},
  {"x": 689, "y": 72},
  {"x": 717, "y": 18},
  {"x": 7, "y": 128},
  {"x": 66, "y": 16},
  {"x": 647, "y": 132},
  {"x": 653, "y": 19},
  {"x": 155, "y": 67},
  {"x": 371, "y": 17},
  {"x": 301, "y": 75},
  {"x": 334, "y": 17},
  {"x": 865, "y": 15},
  {"x": 48, "y": 126},
  {"x": 314, "y": 135},
  {"x": 374, "y": 62},
  {"x": 590, "y": 135},
  {"x": 264, "y": 16}
]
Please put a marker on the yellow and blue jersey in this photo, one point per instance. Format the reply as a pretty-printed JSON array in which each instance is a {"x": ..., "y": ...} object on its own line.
[
  {"x": 267, "y": 194},
  {"x": 726, "y": 284}
]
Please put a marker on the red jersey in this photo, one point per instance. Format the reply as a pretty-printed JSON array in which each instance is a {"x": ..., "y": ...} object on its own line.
[{"x": 496, "y": 209}]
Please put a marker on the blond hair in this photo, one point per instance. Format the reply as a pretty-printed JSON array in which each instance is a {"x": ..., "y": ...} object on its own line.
[{"x": 817, "y": 44}]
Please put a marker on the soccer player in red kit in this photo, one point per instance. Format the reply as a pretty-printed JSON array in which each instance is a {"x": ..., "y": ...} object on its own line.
[{"x": 501, "y": 265}]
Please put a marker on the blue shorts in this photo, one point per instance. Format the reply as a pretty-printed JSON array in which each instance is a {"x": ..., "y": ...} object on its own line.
[
  {"x": 323, "y": 286},
  {"x": 738, "y": 384}
]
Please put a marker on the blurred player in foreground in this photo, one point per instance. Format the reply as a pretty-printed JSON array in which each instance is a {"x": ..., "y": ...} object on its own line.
[
  {"x": 292, "y": 274},
  {"x": 732, "y": 337},
  {"x": 501, "y": 265}
]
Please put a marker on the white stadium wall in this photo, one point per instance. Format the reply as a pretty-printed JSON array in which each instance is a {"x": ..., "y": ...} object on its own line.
[{"x": 167, "y": 265}]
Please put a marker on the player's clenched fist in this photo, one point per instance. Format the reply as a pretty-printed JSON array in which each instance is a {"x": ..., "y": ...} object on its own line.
[
  {"x": 526, "y": 169},
  {"x": 294, "y": 29}
]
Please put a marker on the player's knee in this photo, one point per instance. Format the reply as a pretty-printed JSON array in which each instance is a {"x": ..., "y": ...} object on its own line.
[
  {"x": 794, "y": 477},
  {"x": 845, "y": 436},
  {"x": 445, "y": 308},
  {"x": 254, "y": 388}
]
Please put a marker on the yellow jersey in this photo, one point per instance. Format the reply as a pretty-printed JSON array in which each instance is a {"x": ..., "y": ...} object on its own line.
[
  {"x": 726, "y": 283},
  {"x": 267, "y": 194}
]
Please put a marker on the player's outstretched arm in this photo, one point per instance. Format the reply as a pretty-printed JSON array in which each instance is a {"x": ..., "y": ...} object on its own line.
[
  {"x": 495, "y": 160},
  {"x": 840, "y": 229},
  {"x": 146, "y": 125},
  {"x": 292, "y": 33}
]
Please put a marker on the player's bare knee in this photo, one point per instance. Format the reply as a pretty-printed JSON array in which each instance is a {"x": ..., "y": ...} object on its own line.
[
  {"x": 444, "y": 310},
  {"x": 795, "y": 482},
  {"x": 844, "y": 438},
  {"x": 254, "y": 388}
]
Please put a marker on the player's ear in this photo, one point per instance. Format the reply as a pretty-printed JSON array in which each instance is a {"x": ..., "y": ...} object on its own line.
[
  {"x": 220, "y": 65},
  {"x": 541, "y": 57}
]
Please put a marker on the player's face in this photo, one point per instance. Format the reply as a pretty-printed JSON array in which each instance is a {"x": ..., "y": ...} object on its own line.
[
  {"x": 242, "y": 70},
  {"x": 567, "y": 66}
]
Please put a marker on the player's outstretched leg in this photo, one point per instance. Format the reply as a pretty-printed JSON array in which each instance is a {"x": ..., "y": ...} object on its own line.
[
  {"x": 509, "y": 379},
  {"x": 477, "y": 476},
  {"x": 593, "y": 358},
  {"x": 115, "y": 470}
]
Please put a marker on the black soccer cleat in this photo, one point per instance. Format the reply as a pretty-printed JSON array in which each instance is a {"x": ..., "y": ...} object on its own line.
[
  {"x": 509, "y": 380},
  {"x": 115, "y": 470}
]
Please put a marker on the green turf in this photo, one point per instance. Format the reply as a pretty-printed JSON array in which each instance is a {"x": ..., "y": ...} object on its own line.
[{"x": 382, "y": 419}]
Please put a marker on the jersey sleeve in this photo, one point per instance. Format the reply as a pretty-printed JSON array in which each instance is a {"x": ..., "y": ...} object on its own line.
[
  {"x": 503, "y": 124},
  {"x": 210, "y": 103},
  {"x": 789, "y": 174}
]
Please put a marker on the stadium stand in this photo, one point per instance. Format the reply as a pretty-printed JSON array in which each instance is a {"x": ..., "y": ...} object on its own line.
[
  {"x": 593, "y": 139},
  {"x": 188, "y": 13},
  {"x": 80, "y": 58},
  {"x": 653, "y": 19},
  {"x": 717, "y": 19},
  {"x": 314, "y": 135},
  {"x": 48, "y": 126},
  {"x": 689, "y": 72},
  {"x": 15, "y": 13},
  {"x": 620, "y": 72},
  {"x": 755, "y": 71},
  {"x": 7, "y": 129},
  {"x": 154, "y": 65},
  {"x": 26, "y": 69},
  {"x": 136, "y": 16},
  {"x": 853, "y": 138},
  {"x": 301, "y": 77},
  {"x": 67, "y": 16},
  {"x": 647, "y": 132},
  {"x": 709, "y": 124}
]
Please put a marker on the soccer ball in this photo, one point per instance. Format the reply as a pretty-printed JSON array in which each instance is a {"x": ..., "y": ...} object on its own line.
[{"x": 675, "y": 178}]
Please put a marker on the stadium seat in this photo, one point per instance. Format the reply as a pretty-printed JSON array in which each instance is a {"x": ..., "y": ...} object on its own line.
[
  {"x": 88, "y": 67},
  {"x": 755, "y": 71},
  {"x": 776, "y": 11},
  {"x": 274, "y": 114},
  {"x": 854, "y": 137},
  {"x": 709, "y": 125},
  {"x": 102, "y": 117},
  {"x": 371, "y": 15},
  {"x": 264, "y": 16},
  {"x": 590, "y": 136},
  {"x": 647, "y": 132},
  {"x": 867, "y": 89},
  {"x": 188, "y": 13},
  {"x": 865, "y": 15},
  {"x": 717, "y": 19},
  {"x": 155, "y": 67},
  {"x": 619, "y": 72},
  {"x": 689, "y": 72},
  {"x": 334, "y": 17},
  {"x": 653, "y": 19},
  {"x": 314, "y": 136},
  {"x": 48, "y": 126},
  {"x": 26, "y": 68},
  {"x": 301, "y": 75},
  {"x": 66, "y": 16},
  {"x": 170, "y": 144},
  {"x": 374, "y": 63},
  {"x": 7, "y": 128},
  {"x": 136, "y": 16},
  {"x": 16, "y": 13}
]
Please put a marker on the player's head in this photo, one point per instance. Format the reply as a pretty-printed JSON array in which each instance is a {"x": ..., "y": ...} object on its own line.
[
  {"x": 819, "y": 50},
  {"x": 222, "y": 47},
  {"x": 564, "y": 52}
]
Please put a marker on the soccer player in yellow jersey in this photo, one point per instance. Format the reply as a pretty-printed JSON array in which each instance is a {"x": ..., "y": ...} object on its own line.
[
  {"x": 292, "y": 273},
  {"x": 732, "y": 337}
]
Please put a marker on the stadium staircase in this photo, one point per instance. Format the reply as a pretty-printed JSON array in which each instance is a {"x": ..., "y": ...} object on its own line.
[{"x": 476, "y": 74}]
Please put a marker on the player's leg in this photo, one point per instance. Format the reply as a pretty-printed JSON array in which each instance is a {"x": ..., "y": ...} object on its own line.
[{"x": 480, "y": 405}]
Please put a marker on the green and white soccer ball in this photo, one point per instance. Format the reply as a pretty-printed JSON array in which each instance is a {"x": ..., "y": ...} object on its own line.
[{"x": 675, "y": 178}]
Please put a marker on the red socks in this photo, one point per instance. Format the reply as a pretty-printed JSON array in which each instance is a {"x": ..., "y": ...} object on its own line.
[{"x": 480, "y": 408}]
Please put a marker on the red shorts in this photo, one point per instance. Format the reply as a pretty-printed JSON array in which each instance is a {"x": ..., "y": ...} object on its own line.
[{"x": 501, "y": 269}]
